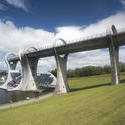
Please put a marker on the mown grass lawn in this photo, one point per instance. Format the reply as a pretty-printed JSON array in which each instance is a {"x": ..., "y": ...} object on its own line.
[{"x": 92, "y": 101}]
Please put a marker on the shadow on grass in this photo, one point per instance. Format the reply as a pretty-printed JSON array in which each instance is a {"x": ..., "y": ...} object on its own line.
[
  {"x": 89, "y": 87},
  {"x": 122, "y": 81},
  {"x": 95, "y": 86}
]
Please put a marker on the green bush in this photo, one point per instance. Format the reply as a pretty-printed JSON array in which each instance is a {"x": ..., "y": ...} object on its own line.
[{"x": 90, "y": 70}]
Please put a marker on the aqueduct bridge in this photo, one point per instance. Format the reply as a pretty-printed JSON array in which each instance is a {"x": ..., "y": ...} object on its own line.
[{"x": 28, "y": 58}]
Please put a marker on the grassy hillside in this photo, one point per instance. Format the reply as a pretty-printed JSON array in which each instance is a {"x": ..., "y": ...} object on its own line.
[{"x": 93, "y": 101}]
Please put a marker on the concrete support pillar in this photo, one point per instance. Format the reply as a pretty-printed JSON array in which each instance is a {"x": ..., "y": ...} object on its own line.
[
  {"x": 29, "y": 73},
  {"x": 114, "y": 54},
  {"x": 62, "y": 83}
]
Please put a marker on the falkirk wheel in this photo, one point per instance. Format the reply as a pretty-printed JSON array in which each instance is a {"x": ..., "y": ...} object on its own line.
[{"x": 15, "y": 80}]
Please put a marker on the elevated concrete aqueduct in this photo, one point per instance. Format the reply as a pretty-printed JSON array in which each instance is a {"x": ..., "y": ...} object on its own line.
[{"x": 112, "y": 39}]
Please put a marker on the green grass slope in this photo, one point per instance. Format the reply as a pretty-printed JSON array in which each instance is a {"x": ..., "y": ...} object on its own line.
[{"x": 92, "y": 101}]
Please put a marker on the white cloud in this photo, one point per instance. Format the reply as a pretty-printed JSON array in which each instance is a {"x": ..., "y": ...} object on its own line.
[
  {"x": 123, "y": 2},
  {"x": 18, "y": 4},
  {"x": 75, "y": 32},
  {"x": 96, "y": 57},
  {"x": 46, "y": 64},
  {"x": 13, "y": 38}
]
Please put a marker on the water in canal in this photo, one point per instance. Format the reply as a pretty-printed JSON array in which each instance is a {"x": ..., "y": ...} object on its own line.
[{"x": 13, "y": 96}]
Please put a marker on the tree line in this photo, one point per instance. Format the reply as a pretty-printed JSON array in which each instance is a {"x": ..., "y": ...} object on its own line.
[
  {"x": 90, "y": 70},
  {"x": 85, "y": 71}
]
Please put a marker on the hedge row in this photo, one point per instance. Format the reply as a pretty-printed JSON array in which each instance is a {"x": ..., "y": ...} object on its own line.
[{"x": 90, "y": 70}]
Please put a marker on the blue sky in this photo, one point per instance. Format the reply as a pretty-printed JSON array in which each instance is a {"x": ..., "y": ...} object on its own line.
[
  {"x": 48, "y": 14},
  {"x": 25, "y": 23}
]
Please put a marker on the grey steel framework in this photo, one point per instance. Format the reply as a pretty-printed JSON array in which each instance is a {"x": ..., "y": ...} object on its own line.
[{"x": 28, "y": 58}]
